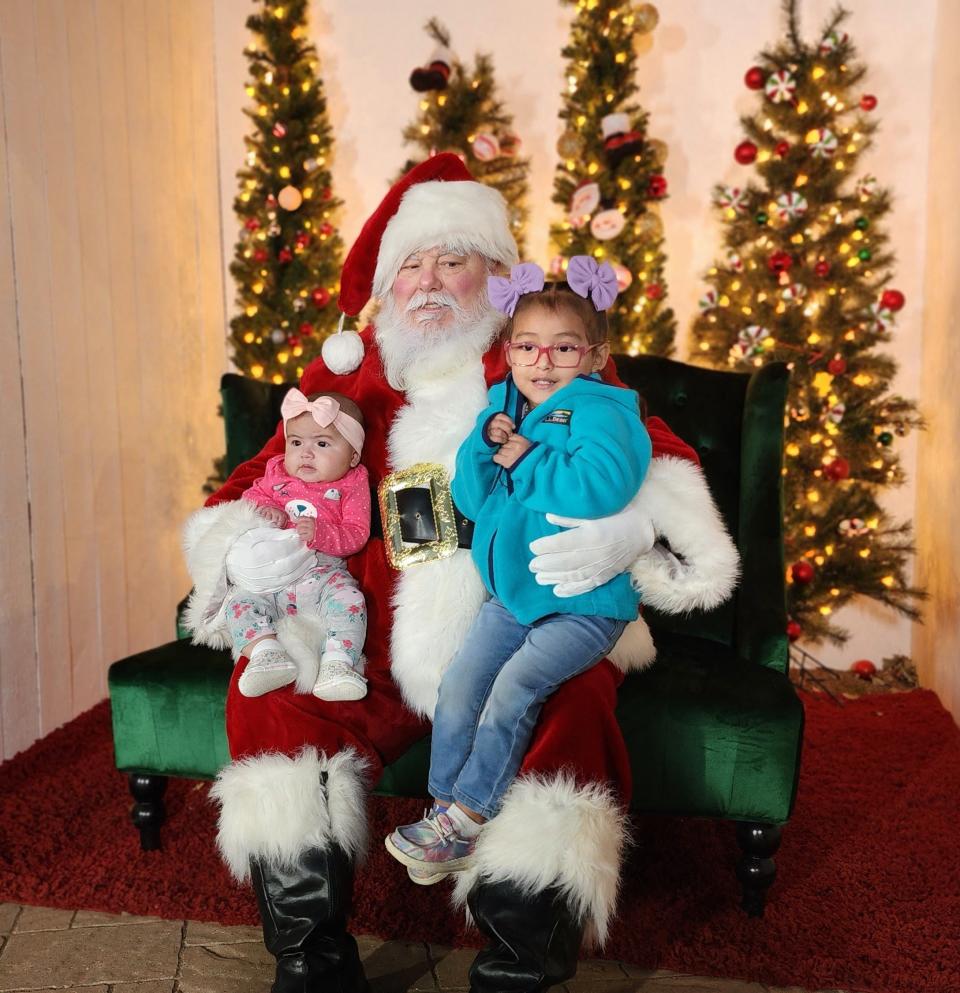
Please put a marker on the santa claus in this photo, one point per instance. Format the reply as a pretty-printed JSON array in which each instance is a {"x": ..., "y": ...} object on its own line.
[{"x": 292, "y": 802}]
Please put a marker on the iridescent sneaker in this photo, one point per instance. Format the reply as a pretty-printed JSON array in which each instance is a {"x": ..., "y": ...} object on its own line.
[
  {"x": 431, "y": 846},
  {"x": 267, "y": 670}
]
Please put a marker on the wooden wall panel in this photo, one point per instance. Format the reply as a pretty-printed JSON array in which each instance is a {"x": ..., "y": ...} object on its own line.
[
  {"x": 19, "y": 695},
  {"x": 111, "y": 305}
]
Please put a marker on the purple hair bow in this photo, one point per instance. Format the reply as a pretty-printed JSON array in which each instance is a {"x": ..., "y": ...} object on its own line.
[
  {"x": 505, "y": 293},
  {"x": 587, "y": 279}
]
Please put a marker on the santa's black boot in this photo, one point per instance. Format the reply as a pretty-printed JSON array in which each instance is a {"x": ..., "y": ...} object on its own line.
[
  {"x": 534, "y": 939},
  {"x": 304, "y": 912}
]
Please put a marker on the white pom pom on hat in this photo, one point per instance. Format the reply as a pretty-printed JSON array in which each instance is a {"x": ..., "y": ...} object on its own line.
[{"x": 342, "y": 352}]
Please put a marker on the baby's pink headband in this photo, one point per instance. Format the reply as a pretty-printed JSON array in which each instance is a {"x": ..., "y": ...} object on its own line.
[
  {"x": 325, "y": 411},
  {"x": 585, "y": 277}
]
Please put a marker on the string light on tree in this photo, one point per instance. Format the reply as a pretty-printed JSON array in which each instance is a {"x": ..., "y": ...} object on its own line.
[{"x": 812, "y": 289}]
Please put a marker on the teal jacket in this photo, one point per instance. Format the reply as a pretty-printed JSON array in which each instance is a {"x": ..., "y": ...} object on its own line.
[{"x": 589, "y": 455}]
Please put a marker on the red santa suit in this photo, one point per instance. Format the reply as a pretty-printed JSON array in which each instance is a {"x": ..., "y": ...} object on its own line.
[{"x": 302, "y": 766}]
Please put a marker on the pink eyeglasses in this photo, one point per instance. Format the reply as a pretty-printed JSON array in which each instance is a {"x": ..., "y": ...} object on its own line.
[{"x": 563, "y": 356}]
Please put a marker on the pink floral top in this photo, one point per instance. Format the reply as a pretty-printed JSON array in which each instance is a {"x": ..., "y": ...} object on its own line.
[{"x": 341, "y": 506}]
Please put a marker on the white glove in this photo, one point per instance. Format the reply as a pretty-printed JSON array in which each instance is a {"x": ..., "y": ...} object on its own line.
[{"x": 592, "y": 552}]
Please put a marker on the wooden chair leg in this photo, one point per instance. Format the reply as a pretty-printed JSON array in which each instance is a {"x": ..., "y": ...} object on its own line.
[
  {"x": 756, "y": 869},
  {"x": 148, "y": 812}
]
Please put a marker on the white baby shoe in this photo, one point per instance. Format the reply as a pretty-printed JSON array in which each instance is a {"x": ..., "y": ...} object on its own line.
[
  {"x": 338, "y": 679},
  {"x": 267, "y": 670}
]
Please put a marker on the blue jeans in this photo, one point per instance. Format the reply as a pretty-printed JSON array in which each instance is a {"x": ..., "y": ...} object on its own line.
[{"x": 492, "y": 693}]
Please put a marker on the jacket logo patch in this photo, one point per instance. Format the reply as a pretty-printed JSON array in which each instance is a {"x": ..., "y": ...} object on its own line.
[{"x": 557, "y": 417}]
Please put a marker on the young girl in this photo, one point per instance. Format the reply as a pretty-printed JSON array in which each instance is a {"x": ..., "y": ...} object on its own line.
[
  {"x": 554, "y": 440},
  {"x": 319, "y": 489}
]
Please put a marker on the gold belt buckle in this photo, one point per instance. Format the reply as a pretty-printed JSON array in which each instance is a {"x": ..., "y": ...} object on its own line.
[{"x": 432, "y": 476}]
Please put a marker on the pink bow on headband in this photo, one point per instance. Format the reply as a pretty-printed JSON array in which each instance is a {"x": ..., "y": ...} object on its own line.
[
  {"x": 587, "y": 279},
  {"x": 325, "y": 411},
  {"x": 505, "y": 293}
]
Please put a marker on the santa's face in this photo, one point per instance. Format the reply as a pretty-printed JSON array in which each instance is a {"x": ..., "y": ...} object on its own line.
[{"x": 435, "y": 287}]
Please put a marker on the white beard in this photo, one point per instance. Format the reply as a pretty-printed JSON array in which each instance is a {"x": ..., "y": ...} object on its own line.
[{"x": 416, "y": 351}]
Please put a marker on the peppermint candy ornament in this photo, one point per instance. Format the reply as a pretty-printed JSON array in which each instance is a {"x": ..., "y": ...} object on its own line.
[
  {"x": 750, "y": 340},
  {"x": 790, "y": 206},
  {"x": 735, "y": 262},
  {"x": 708, "y": 301},
  {"x": 794, "y": 292},
  {"x": 832, "y": 41},
  {"x": 731, "y": 198},
  {"x": 780, "y": 87},
  {"x": 866, "y": 187},
  {"x": 836, "y": 412},
  {"x": 825, "y": 145},
  {"x": 880, "y": 318},
  {"x": 853, "y": 527}
]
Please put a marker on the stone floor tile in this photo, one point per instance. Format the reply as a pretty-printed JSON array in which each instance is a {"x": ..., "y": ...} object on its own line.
[
  {"x": 8, "y": 915},
  {"x": 204, "y": 933},
  {"x": 396, "y": 966},
  {"x": 94, "y": 918},
  {"x": 450, "y": 966},
  {"x": 43, "y": 919},
  {"x": 243, "y": 967},
  {"x": 89, "y": 956},
  {"x": 676, "y": 983},
  {"x": 147, "y": 986}
]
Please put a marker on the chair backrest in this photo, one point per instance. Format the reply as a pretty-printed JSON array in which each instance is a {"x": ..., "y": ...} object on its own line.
[{"x": 734, "y": 421}]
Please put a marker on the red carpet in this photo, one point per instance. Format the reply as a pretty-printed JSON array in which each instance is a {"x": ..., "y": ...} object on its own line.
[{"x": 867, "y": 897}]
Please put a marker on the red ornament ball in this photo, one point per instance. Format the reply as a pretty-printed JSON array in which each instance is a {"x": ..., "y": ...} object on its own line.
[
  {"x": 837, "y": 366},
  {"x": 306, "y": 329},
  {"x": 794, "y": 630},
  {"x": 657, "y": 187},
  {"x": 251, "y": 224},
  {"x": 653, "y": 292},
  {"x": 320, "y": 296},
  {"x": 864, "y": 668},
  {"x": 892, "y": 300},
  {"x": 837, "y": 469},
  {"x": 285, "y": 255},
  {"x": 327, "y": 193},
  {"x": 780, "y": 261},
  {"x": 801, "y": 572},
  {"x": 822, "y": 269},
  {"x": 868, "y": 102},
  {"x": 781, "y": 148},
  {"x": 279, "y": 130},
  {"x": 260, "y": 255},
  {"x": 326, "y": 229},
  {"x": 293, "y": 341},
  {"x": 755, "y": 78},
  {"x": 745, "y": 152},
  {"x": 303, "y": 239}
]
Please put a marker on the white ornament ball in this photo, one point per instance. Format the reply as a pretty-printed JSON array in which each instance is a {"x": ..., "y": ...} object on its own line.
[
  {"x": 277, "y": 336},
  {"x": 290, "y": 198},
  {"x": 342, "y": 352}
]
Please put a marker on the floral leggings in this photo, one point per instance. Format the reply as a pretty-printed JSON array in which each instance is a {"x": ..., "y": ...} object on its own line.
[{"x": 327, "y": 590}]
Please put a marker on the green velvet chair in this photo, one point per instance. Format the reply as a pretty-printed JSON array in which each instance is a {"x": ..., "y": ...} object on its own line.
[{"x": 714, "y": 728}]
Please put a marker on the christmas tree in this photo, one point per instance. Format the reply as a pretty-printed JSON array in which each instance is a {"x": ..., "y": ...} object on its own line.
[
  {"x": 609, "y": 179},
  {"x": 805, "y": 280},
  {"x": 460, "y": 112},
  {"x": 287, "y": 259}
]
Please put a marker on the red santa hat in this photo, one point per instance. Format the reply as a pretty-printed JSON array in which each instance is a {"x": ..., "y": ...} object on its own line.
[{"x": 437, "y": 203}]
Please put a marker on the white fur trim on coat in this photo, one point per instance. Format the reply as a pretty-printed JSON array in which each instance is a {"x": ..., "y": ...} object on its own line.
[
  {"x": 634, "y": 649},
  {"x": 701, "y": 569},
  {"x": 461, "y": 216},
  {"x": 274, "y": 808},
  {"x": 552, "y": 832}
]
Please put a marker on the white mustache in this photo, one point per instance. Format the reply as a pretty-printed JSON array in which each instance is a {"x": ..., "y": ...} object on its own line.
[{"x": 422, "y": 299}]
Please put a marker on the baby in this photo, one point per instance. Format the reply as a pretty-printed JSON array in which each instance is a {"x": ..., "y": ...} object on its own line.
[{"x": 318, "y": 489}]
